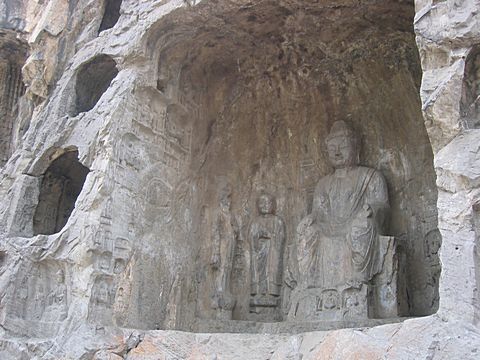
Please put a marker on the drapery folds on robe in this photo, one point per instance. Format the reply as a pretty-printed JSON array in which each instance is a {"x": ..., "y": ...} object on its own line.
[
  {"x": 267, "y": 237},
  {"x": 337, "y": 242}
]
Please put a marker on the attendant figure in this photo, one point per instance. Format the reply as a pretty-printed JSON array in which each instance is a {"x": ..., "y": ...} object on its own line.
[
  {"x": 267, "y": 243},
  {"x": 224, "y": 238}
]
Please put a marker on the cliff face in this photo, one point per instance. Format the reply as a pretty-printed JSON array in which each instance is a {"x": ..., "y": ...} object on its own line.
[{"x": 122, "y": 121}]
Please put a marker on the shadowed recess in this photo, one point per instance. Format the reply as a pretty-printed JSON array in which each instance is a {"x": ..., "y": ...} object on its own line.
[
  {"x": 110, "y": 15},
  {"x": 61, "y": 184},
  {"x": 93, "y": 79}
]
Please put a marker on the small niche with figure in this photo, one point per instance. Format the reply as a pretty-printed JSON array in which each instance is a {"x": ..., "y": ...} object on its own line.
[
  {"x": 92, "y": 80},
  {"x": 60, "y": 186}
]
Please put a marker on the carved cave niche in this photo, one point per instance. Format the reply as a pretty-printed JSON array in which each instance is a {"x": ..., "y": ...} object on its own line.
[
  {"x": 93, "y": 78},
  {"x": 36, "y": 305},
  {"x": 13, "y": 53},
  {"x": 470, "y": 100},
  {"x": 60, "y": 186},
  {"x": 111, "y": 14},
  {"x": 265, "y": 91}
]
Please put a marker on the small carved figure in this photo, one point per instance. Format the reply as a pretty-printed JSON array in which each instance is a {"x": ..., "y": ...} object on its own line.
[
  {"x": 102, "y": 296},
  {"x": 39, "y": 302},
  {"x": 57, "y": 300},
  {"x": 330, "y": 300},
  {"x": 21, "y": 300},
  {"x": 224, "y": 238},
  {"x": 119, "y": 266},
  {"x": 352, "y": 304},
  {"x": 105, "y": 261},
  {"x": 100, "y": 309},
  {"x": 267, "y": 243},
  {"x": 120, "y": 306}
]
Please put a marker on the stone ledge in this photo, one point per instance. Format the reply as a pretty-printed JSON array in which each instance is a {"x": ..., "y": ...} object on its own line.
[{"x": 290, "y": 327}]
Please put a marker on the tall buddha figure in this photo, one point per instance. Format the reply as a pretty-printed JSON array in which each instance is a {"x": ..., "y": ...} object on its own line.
[{"x": 337, "y": 244}]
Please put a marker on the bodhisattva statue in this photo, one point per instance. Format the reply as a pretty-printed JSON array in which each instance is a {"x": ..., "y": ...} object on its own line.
[
  {"x": 337, "y": 244},
  {"x": 224, "y": 238},
  {"x": 267, "y": 243}
]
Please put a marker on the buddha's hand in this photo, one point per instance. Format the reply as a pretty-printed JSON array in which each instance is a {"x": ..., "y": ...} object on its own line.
[
  {"x": 367, "y": 211},
  {"x": 215, "y": 261},
  {"x": 363, "y": 218},
  {"x": 305, "y": 223},
  {"x": 289, "y": 280}
]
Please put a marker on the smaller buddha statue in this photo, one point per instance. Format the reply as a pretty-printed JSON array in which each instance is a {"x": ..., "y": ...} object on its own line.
[{"x": 267, "y": 243}]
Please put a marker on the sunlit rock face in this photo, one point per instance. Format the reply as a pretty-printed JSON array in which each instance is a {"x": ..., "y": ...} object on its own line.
[{"x": 238, "y": 167}]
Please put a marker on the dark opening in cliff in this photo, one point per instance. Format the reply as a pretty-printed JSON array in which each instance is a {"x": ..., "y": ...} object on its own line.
[
  {"x": 111, "y": 14},
  {"x": 60, "y": 186},
  {"x": 92, "y": 80}
]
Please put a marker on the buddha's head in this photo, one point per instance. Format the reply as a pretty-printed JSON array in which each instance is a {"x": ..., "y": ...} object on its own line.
[
  {"x": 266, "y": 204},
  {"x": 342, "y": 146}
]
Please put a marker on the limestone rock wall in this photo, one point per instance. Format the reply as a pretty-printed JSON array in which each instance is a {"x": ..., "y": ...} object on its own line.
[{"x": 447, "y": 37}]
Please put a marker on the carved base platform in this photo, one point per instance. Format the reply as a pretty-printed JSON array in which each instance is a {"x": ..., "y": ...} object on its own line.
[
  {"x": 291, "y": 327},
  {"x": 344, "y": 303}
]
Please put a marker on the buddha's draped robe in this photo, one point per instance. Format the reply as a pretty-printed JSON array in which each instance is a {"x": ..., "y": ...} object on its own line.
[
  {"x": 267, "y": 240},
  {"x": 338, "y": 242}
]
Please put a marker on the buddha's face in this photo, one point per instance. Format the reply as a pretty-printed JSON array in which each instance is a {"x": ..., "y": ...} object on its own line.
[
  {"x": 265, "y": 204},
  {"x": 342, "y": 152}
]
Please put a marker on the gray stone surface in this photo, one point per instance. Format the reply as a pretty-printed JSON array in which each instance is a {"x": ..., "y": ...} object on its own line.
[{"x": 243, "y": 93}]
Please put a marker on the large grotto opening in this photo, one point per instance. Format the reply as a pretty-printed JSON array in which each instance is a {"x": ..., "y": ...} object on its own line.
[
  {"x": 60, "y": 186},
  {"x": 247, "y": 93}
]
